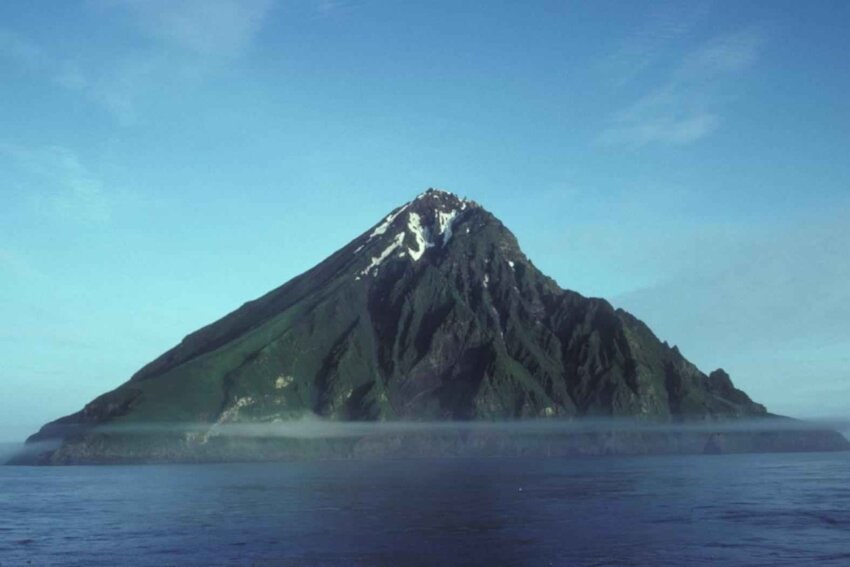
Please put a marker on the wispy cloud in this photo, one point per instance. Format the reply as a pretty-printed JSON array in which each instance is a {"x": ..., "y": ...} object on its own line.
[
  {"x": 667, "y": 23},
  {"x": 686, "y": 107},
  {"x": 182, "y": 41},
  {"x": 722, "y": 55},
  {"x": 206, "y": 27},
  {"x": 107, "y": 86},
  {"x": 60, "y": 184},
  {"x": 328, "y": 8}
]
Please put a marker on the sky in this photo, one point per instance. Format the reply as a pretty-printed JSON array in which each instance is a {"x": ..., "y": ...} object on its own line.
[{"x": 164, "y": 161}]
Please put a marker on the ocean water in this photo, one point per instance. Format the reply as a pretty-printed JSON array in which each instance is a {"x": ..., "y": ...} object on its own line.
[{"x": 779, "y": 509}]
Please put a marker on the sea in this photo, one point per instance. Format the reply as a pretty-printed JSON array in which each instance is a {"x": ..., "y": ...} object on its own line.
[{"x": 767, "y": 509}]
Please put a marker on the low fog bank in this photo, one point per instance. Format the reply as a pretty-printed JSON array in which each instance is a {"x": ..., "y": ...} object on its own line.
[
  {"x": 9, "y": 450},
  {"x": 314, "y": 438},
  {"x": 22, "y": 451},
  {"x": 314, "y": 427}
]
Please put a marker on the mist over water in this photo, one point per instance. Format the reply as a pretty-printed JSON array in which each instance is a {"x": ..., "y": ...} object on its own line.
[
  {"x": 312, "y": 427},
  {"x": 8, "y": 450},
  {"x": 311, "y": 437}
]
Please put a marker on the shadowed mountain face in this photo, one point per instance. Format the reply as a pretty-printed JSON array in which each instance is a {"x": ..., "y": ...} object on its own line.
[{"x": 433, "y": 314}]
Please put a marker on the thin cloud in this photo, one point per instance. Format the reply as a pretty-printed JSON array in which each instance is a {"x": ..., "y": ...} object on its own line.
[
  {"x": 186, "y": 41},
  {"x": 329, "y": 8},
  {"x": 189, "y": 40},
  {"x": 672, "y": 126},
  {"x": 206, "y": 27},
  {"x": 667, "y": 23},
  {"x": 724, "y": 54},
  {"x": 686, "y": 107},
  {"x": 60, "y": 184},
  {"x": 111, "y": 90}
]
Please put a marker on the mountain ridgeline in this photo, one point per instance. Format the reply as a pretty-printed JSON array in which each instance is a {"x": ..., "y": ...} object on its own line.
[{"x": 434, "y": 314}]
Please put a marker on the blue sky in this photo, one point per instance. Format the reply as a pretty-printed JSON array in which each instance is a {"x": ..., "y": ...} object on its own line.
[{"x": 163, "y": 161}]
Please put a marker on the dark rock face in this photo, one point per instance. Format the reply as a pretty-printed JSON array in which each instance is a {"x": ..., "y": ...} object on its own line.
[{"x": 433, "y": 314}]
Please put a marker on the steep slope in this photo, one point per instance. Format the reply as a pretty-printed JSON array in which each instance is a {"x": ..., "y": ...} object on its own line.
[{"x": 432, "y": 314}]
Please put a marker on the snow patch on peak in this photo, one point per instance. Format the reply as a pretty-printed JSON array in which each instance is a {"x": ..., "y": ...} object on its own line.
[
  {"x": 444, "y": 224},
  {"x": 382, "y": 228},
  {"x": 378, "y": 260},
  {"x": 431, "y": 223},
  {"x": 422, "y": 235}
]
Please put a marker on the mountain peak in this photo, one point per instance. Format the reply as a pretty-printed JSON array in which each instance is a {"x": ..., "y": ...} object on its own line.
[
  {"x": 433, "y": 313},
  {"x": 443, "y": 198},
  {"x": 435, "y": 201},
  {"x": 410, "y": 231}
]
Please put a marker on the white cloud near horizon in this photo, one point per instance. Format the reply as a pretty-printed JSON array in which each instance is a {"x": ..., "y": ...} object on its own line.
[{"x": 686, "y": 107}]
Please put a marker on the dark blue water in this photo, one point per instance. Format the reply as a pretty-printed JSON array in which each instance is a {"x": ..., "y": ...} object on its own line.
[{"x": 700, "y": 510}]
